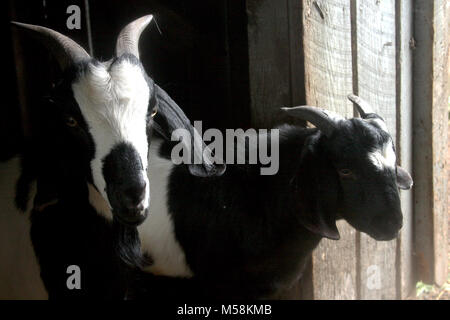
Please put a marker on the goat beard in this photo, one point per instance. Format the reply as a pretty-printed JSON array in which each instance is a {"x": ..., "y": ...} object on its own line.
[{"x": 127, "y": 245}]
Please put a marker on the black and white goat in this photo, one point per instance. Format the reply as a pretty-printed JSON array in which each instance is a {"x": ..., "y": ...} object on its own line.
[
  {"x": 90, "y": 160},
  {"x": 246, "y": 235}
]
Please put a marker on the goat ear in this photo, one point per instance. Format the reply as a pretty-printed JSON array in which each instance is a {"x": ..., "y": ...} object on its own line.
[
  {"x": 170, "y": 117},
  {"x": 404, "y": 180},
  {"x": 321, "y": 224},
  {"x": 323, "y": 220}
]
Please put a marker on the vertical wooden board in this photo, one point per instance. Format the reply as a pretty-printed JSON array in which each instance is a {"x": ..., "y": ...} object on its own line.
[
  {"x": 328, "y": 74},
  {"x": 430, "y": 131},
  {"x": 328, "y": 54},
  {"x": 440, "y": 133},
  {"x": 334, "y": 266},
  {"x": 269, "y": 59},
  {"x": 297, "y": 70},
  {"x": 404, "y": 22},
  {"x": 376, "y": 63},
  {"x": 377, "y": 57},
  {"x": 422, "y": 151}
]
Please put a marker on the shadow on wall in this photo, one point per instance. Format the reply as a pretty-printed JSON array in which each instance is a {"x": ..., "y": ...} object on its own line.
[{"x": 19, "y": 271}]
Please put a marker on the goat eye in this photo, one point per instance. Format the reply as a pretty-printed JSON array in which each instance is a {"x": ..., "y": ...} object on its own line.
[
  {"x": 345, "y": 172},
  {"x": 71, "y": 122}
]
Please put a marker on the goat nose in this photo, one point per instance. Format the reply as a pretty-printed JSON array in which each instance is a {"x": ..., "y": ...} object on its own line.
[{"x": 134, "y": 194}]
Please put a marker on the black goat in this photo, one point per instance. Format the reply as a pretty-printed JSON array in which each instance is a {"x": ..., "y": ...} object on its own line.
[{"x": 247, "y": 235}]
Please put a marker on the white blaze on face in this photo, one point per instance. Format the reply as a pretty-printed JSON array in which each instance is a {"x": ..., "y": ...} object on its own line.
[
  {"x": 114, "y": 104},
  {"x": 385, "y": 157}
]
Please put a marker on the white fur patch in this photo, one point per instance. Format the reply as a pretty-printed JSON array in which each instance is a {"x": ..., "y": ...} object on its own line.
[
  {"x": 384, "y": 158},
  {"x": 157, "y": 231},
  {"x": 114, "y": 104}
]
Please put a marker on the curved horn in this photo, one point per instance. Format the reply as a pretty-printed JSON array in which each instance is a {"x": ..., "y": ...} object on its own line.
[
  {"x": 66, "y": 51},
  {"x": 324, "y": 120},
  {"x": 128, "y": 39},
  {"x": 363, "y": 106}
]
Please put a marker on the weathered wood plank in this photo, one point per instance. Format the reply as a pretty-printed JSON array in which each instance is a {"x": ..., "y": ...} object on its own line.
[
  {"x": 269, "y": 59},
  {"x": 297, "y": 70},
  {"x": 328, "y": 75},
  {"x": 376, "y": 83},
  {"x": 430, "y": 132},
  {"x": 404, "y": 60},
  {"x": 328, "y": 54}
]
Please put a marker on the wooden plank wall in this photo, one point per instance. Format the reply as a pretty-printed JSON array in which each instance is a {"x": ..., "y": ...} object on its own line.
[
  {"x": 328, "y": 75},
  {"x": 362, "y": 47},
  {"x": 430, "y": 133},
  {"x": 404, "y": 100},
  {"x": 375, "y": 63}
]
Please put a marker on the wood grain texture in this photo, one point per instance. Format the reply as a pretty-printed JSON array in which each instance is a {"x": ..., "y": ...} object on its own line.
[
  {"x": 334, "y": 266},
  {"x": 328, "y": 74},
  {"x": 440, "y": 133},
  {"x": 430, "y": 132},
  {"x": 376, "y": 83},
  {"x": 404, "y": 77},
  {"x": 328, "y": 54}
]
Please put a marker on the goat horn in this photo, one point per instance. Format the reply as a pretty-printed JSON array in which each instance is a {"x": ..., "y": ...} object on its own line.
[
  {"x": 66, "y": 51},
  {"x": 128, "y": 39},
  {"x": 324, "y": 120},
  {"x": 363, "y": 106}
]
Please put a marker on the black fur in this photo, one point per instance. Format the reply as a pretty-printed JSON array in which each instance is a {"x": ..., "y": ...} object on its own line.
[
  {"x": 250, "y": 236},
  {"x": 72, "y": 233},
  {"x": 241, "y": 232}
]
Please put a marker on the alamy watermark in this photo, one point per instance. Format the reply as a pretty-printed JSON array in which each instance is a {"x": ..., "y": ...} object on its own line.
[
  {"x": 74, "y": 279},
  {"x": 74, "y": 20},
  {"x": 235, "y": 147},
  {"x": 373, "y": 274}
]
